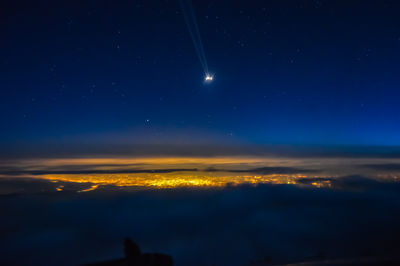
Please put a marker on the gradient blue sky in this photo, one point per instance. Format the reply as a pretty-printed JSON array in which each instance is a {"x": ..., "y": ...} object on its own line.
[{"x": 286, "y": 72}]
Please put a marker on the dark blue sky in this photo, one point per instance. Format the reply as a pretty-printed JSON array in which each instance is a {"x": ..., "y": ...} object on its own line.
[{"x": 286, "y": 72}]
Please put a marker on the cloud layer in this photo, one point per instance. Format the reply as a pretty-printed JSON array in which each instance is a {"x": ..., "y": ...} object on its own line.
[{"x": 230, "y": 226}]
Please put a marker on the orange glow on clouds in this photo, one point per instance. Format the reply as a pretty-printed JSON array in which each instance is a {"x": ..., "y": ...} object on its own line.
[
  {"x": 172, "y": 180},
  {"x": 208, "y": 171}
]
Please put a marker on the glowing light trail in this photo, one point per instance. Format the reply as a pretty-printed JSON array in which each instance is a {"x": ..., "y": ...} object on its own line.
[
  {"x": 191, "y": 22},
  {"x": 208, "y": 78}
]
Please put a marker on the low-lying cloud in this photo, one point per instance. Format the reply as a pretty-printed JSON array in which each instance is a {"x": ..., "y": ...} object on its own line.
[{"x": 229, "y": 226}]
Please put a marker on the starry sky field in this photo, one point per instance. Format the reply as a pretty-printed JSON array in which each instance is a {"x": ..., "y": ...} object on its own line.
[
  {"x": 126, "y": 73},
  {"x": 111, "y": 129}
]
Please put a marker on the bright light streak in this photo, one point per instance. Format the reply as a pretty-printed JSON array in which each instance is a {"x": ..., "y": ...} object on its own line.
[{"x": 208, "y": 78}]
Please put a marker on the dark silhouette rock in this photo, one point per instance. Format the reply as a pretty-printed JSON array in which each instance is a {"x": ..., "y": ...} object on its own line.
[
  {"x": 134, "y": 257},
  {"x": 131, "y": 249}
]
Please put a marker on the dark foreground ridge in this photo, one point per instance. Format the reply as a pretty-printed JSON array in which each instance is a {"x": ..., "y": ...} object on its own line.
[{"x": 134, "y": 257}]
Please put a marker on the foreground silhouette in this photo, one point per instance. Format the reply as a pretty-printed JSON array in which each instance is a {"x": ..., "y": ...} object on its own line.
[{"x": 134, "y": 257}]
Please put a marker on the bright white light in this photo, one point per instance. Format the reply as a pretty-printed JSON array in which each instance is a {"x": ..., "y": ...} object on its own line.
[{"x": 208, "y": 78}]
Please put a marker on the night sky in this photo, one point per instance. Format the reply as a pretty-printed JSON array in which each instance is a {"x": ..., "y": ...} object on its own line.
[
  {"x": 109, "y": 129},
  {"x": 126, "y": 72}
]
